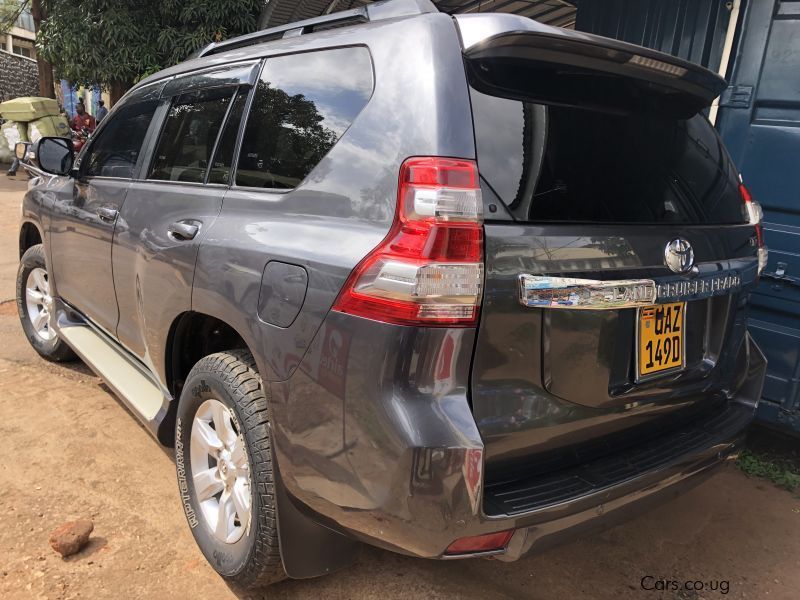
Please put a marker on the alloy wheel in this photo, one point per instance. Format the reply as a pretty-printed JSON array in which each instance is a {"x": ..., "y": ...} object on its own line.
[
  {"x": 39, "y": 303},
  {"x": 221, "y": 471}
]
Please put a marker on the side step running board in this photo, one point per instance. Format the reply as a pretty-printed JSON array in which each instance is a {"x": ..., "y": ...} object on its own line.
[{"x": 141, "y": 394}]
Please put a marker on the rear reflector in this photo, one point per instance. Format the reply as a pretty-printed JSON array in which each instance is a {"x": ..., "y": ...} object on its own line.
[
  {"x": 754, "y": 215},
  {"x": 429, "y": 268},
  {"x": 480, "y": 543}
]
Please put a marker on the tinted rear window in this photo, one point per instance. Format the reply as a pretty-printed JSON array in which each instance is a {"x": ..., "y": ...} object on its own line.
[
  {"x": 565, "y": 164},
  {"x": 303, "y": 104}
]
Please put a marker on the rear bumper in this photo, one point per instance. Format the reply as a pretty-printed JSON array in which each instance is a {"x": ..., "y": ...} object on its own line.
[
  {"x": 406, "y": 478},
  {"x": 553, "y": 525}
]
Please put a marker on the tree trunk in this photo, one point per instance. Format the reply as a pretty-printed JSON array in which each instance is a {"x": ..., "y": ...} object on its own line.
[
  {"x": 46, "y": 83},
  {"x": 116, "y": 91}
]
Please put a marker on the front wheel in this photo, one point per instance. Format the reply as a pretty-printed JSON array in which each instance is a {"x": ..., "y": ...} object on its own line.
[
  {"x": 36, "y": 307},
  {"x": 224, "y": 466}
]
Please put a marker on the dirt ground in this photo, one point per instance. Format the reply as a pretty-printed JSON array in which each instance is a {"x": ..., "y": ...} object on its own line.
[{"x": 71, "y": 450}]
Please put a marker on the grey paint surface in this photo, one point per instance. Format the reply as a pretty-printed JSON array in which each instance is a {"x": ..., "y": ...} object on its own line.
[
  {"x": 379, "y": 429},
  {"x": 346, "y": 205},
  {"x": 153, "y": 270},
  {"x": 544, "y": 378},
  {"x": 80, "y": 246}
]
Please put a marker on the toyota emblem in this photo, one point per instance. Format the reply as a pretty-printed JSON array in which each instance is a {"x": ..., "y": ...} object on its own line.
[{"x": 679, "y": 256}]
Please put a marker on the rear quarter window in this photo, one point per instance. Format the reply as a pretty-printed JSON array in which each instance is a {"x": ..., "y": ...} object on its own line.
[
  {"x": 303, "y": 104},
  {"x": 555, "y": 163}
]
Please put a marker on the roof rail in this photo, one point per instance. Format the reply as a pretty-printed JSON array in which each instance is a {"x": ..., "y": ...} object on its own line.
[{"x": 371, "y": 12}]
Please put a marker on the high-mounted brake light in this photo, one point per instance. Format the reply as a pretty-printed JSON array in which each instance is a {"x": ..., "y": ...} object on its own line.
[
  {"x": 754, "y": 215},
  {"x": 429, "y": 268}
]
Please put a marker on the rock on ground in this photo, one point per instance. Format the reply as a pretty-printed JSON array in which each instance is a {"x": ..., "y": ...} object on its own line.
[{"x": 69, "y": 538}]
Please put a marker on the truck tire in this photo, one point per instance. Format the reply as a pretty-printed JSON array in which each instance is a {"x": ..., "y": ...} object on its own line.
[
  {"x": 224, "y": 465},
  {"x": 35, "y": 306}
]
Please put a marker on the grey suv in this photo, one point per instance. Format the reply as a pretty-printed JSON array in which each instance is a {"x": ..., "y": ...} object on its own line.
[{"x": 453, "y": 287}]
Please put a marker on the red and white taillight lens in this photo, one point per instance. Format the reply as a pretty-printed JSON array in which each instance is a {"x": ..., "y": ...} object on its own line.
[
  {"x": 754, "y": 215},
  {"x": 429, "y": 268}
]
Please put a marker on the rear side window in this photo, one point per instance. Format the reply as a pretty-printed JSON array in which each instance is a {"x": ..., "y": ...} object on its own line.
[
  {"x": 189, "y": 135},
  {"x": 303, "y": 104},
  {"x": 556, "y": 163},
  {"x": 115, "y": 151}
]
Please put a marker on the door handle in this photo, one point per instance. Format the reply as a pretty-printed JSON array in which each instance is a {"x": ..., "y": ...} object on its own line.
[
  {"x": 109, "y": 215},
  {"x": 183, "y": 230}
]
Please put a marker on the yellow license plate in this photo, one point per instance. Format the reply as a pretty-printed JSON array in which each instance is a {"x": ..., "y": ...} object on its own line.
[{"x": 660, "y": 338}]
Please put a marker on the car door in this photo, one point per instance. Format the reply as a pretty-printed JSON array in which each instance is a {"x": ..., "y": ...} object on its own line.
[
  {"x": 168, "y": 210},
  {"x": 83, "y": 224},
  {"x": 759, "y": 120}
]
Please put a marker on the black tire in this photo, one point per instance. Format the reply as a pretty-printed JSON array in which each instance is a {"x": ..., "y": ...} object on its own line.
[
  {"x": 232, "y": 378},
  {"x": 55, "y": 349}
]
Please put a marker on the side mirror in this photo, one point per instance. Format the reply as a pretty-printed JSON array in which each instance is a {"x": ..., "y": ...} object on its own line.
[
  {"x": 54, "y": 155},
  {"x": 21, "y": 150}
]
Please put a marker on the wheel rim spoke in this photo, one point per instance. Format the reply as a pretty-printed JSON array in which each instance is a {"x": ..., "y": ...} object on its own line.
[
  {"x": 222, "y": 423},
  {"x": 238, "y": 454},
  {"x": 206, "y": 437},
  {"x": 223, "y": 516},
  {"x": 40, "y": 320},
  {"x": 240, "y": 494},
  {"x": 34, "y": 295},
  {"x": 207, "y": 484},
  {"x": 40, "y": 277}
]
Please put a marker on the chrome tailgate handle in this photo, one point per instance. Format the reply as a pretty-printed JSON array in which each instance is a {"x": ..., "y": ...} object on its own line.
[{"x": 543, "y": 291}]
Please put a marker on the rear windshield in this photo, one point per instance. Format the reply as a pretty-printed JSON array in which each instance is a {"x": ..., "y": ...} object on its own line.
[{"x": 568, "y": 164}]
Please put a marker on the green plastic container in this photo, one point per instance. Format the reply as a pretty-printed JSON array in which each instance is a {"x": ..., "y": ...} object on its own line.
[
  {"x": 13, "y": 133},
  {"x": 48, "y": 127},
  {"x": 28, "y": 109}
]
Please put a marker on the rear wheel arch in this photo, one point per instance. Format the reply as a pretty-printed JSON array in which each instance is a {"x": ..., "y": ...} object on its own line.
[{"x": 192, "y": 337}]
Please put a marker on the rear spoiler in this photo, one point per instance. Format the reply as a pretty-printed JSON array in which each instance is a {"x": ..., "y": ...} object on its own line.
[{"x": 493, "y": 41}]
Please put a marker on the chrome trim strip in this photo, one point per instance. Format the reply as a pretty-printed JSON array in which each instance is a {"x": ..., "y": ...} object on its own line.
[{"x": 542, "y": 291}]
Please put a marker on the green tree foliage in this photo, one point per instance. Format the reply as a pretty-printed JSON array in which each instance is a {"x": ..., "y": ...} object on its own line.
[
  {"x": 9, "y": 11},
  {"x": 116, "y": 43}
]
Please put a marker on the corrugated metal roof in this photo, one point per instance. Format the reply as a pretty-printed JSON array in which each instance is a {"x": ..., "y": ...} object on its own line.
[{"x": 553, "y": 12}]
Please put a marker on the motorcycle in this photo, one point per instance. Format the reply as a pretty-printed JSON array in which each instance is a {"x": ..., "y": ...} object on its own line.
[{"x": 81, "y": 136}]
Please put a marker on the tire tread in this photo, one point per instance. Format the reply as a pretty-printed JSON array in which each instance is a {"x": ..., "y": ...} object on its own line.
[{"x": 238, "y": 371}]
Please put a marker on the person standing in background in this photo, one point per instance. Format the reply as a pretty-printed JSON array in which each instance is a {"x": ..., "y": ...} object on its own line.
[{"x": 102, "y": 111}]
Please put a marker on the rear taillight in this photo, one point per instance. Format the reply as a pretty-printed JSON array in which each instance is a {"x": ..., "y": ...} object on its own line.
[
  {"x": 429, "y": 268},
  {"x": 754, "y": 214}
]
